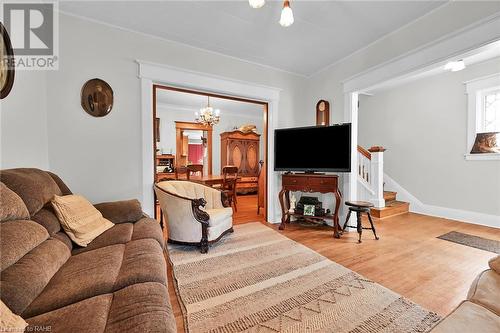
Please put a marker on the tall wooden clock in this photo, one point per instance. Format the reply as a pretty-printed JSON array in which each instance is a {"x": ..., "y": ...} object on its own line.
[{"x": 323, "y": 113}]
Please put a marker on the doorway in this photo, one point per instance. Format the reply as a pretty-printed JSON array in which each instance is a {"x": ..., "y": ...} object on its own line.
[{"x": 185, "y": 141}]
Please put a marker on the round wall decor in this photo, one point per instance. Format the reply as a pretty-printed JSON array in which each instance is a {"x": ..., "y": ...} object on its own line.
[
  {"x": 97, "y": 97},
  {"x": 6, "y": 72}
]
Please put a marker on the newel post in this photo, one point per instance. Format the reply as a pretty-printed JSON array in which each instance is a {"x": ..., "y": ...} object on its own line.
[{"x": 377, "y": 173}]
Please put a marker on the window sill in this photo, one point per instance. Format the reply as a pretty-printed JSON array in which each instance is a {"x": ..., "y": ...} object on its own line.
[{"x": 482, "y": 157}]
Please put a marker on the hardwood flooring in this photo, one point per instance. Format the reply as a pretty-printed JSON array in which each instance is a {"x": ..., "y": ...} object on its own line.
[{"x": 407, "y": 259}]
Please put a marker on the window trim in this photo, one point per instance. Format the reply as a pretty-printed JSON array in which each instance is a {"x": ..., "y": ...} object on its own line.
[{"x": 474, "y": 89}]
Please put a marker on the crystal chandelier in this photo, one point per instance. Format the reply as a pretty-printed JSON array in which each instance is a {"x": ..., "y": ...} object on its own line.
[{"x": 208, "y": 116}]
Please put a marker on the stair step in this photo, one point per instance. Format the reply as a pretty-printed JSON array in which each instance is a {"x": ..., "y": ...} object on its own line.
[
  {"x": 391, "y": 209},
  {"x": 390, "y": 196}
]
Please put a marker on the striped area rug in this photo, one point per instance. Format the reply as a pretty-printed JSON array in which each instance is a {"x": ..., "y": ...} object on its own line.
[{"x": 256, "y": 280}]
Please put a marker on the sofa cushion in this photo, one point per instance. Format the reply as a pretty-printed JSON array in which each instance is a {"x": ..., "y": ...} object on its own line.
[
  {"x": 48, "y": 219},
  {"x": 101, "y": 271},
  {"x": 89, "y": 315},
  {"x": 23, "y": 281},
  {"x": 83, "y": 276},
  {"x": 122, "y": 233},
  {"x": 148, "y": 228},
  {"x": 138, "y": 308},
  {"x": 495, "y": 264},
  {"x": 12, "y": 206},
  {"x": 121, "y": 211},
  {"x": 469, "y": 317},
  {"x": 79, "y": 219},
  {"x": 62, "y": 186},
  {"x": 119, "y": 234},
  {"x": 34, "y": 186},
  {"x": 18, "y": 238},
  {"x": 142, "y": 307},
  {"x": 485, "y": 291}
]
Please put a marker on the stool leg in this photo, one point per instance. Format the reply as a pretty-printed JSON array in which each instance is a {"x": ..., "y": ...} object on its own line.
[
  {"x": 347, "y": 220},
  {"x": 373, "y": 227},
  {"x": 359, "y": 225}
]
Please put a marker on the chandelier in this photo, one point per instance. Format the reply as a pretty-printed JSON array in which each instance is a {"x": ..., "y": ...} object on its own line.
[
  {"x": 208, "y": 116},
  {"x": 286, "y": 18}
]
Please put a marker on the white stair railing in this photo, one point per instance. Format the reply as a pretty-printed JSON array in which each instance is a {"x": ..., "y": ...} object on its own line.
[{"x": 371, "y": 175}]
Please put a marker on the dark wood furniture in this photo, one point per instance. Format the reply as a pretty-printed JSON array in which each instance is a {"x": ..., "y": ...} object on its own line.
[
  {"x": 209, "y": 180},
  {"x": 261, "y": 191},
  {"x": 195, "y": 169},
  {"x": 360, "y": 207},
  {"x": 241, "y": 149},
  {"x": 323, "y": 113},
  {"x": 230, "y": 182},
  {"x": 303, "y": 182},
  {"x": 182, "y": 172}
]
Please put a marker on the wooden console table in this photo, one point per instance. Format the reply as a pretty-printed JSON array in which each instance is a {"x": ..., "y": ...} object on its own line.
[{"x": 302, "y": 182}]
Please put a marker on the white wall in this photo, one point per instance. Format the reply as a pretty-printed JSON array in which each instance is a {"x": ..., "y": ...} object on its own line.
[
  {"x": 423, "y": 126},
  {"x": 23, "y": 117},
  {"x": 101, "y": 157},
  {"x": 328, "y": 83},
  {"x": 229, "y": 119}
]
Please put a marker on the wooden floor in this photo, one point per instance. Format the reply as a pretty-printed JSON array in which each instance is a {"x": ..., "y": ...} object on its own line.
[{"x": 407, "y": 259}]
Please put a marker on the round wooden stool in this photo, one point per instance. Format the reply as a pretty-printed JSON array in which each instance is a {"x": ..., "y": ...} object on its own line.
[{"x": 359, "y": 207}]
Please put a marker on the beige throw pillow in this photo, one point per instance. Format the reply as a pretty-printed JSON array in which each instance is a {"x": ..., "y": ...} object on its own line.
[
  {"x": 79, "y": 219},
  {"x": 495, "y": 264},
  {"x": 9, "y": 321}
]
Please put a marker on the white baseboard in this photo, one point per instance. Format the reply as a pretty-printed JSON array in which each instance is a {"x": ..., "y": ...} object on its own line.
[{"x": 417, "y": 206}]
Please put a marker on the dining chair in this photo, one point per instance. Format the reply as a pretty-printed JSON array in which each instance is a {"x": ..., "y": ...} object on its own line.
[
  {"x": 195, "y": 169},
  {"x": 229, "y": 182},
  {"x": 180, "y": 171}
]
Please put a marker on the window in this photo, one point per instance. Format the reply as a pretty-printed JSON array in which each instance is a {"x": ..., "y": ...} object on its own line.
[
  {"x": 483, "y": 116},
  {"x": 490, "y": 110}
]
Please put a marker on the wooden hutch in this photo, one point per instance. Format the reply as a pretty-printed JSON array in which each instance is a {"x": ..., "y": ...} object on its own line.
[{"x": 242, "y": 150}]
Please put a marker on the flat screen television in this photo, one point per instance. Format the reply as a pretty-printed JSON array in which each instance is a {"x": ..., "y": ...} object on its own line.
[{"x": 315, "y": 148}]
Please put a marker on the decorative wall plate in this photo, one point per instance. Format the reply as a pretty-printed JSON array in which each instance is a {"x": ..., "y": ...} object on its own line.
[
  {"x": 97, "y": 98},
  {"x": 6, "y": 72}
]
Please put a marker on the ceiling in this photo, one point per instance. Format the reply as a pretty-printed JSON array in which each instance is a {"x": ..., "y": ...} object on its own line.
[
  {"x": 193, "y": 102},
  {"x": 324, "y": 31}
]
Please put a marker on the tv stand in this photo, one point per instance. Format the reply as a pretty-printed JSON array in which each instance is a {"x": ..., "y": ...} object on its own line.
[{"x": 304, "y": 182}]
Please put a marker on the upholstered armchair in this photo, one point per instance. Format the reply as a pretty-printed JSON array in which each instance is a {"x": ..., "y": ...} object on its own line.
[{"x": 196, "y": 214}]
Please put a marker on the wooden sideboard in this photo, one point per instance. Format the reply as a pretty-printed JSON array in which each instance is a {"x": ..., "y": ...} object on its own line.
[
  {"x": 241, "y": 149},
  {"x": 302, "y": 182}
]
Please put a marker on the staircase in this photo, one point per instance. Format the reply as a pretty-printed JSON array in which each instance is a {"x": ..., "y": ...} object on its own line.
[
  {"x": 392, "y": 207},
  {"x": 371, "y": 184}
]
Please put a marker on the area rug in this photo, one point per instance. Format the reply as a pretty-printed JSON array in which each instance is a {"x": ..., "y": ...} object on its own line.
[
  {"x": 485, "y": 244},
  {"x": 257, "y": 280}
]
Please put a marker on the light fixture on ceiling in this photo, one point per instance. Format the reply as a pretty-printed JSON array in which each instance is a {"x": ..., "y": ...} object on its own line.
[
  {"x": 256, "y": 3},
  {"x": 455, "y": 66},
  {"x": 286, "y": 19},
  {"x": 208, "y": 116}
]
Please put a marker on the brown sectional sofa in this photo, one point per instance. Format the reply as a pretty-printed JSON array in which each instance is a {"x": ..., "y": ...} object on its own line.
[
  {"x": 117, "y": 283},
  {"x": 481, "y": 311}
]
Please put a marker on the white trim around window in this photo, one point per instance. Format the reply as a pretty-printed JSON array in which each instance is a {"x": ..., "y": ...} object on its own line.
[{"x": 475, "y": 90}]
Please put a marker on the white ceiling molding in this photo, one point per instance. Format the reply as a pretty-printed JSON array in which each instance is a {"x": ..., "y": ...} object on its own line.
[
  {"x": 192, "y": 110},
  {"x": 428, "y": 56}
]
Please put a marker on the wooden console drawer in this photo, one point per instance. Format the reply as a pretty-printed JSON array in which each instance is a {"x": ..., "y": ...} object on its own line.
[
  {"x": 294, "y": 180},
  {"x": 322, "y": 181}
]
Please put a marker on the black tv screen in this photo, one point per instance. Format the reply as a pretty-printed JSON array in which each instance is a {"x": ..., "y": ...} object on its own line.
[{"x": 317, "y": 148}]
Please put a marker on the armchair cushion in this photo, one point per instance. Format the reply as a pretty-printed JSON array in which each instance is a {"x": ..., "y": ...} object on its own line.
[
  {"x": 121, "y": 211},
  {"x": 218, "y": 215}
]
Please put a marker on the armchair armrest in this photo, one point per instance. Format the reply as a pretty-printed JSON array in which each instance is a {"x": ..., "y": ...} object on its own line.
[{"x": 121, "y": 211}]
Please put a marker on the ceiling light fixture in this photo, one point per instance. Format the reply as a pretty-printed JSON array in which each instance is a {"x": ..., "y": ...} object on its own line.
[
  {"x": 256, "y": 3},
  {"x": 286, "y": 19},
  {"x": 455, "y": 66},
  {"x": 208, "y": 116}
]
